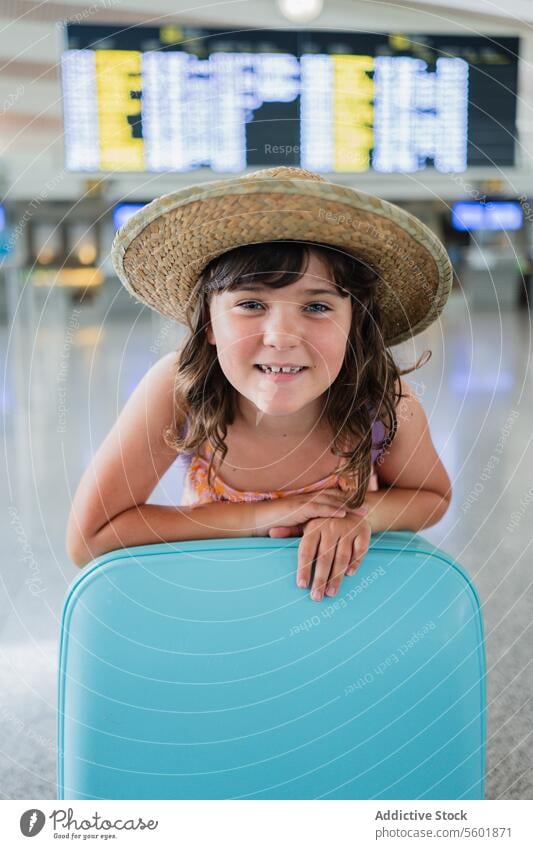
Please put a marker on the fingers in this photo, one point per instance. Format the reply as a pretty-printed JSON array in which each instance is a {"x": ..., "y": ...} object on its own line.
[
  {"x": 359, "y": 549},
  {"x": 343, "y": 556},
  {"x": 306, "y": 555},
  {"x": 324, "y": 561},
  {"x": 317, "y": 547},
  {"x": 334, "y": 556}
]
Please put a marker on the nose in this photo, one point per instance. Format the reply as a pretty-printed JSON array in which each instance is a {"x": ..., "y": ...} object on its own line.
[{"x": 280, "y": 329}]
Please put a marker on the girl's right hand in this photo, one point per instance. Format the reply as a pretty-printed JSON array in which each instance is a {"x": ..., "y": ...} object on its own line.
[{"x": 294, "y": 510}]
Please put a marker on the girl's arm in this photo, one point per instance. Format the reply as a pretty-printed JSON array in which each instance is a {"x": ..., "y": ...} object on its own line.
[
  {"x": 109, "y": 509},
  {"x": 415, "y": 490},
  {"x": 148, "y": 524}
]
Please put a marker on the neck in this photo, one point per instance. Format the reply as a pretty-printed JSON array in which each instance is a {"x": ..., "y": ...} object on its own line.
[{"x": 299, "y": 425}]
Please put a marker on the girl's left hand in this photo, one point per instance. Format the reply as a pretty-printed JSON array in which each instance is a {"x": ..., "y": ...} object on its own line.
[{"x": 338, "y": 545}]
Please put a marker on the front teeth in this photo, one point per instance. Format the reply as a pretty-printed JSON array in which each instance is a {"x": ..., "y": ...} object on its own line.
[{"x": 274, "y": 370}]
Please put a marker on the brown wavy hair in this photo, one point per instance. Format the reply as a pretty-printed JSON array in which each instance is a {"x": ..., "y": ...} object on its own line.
[{"x": 367, "y": 387}]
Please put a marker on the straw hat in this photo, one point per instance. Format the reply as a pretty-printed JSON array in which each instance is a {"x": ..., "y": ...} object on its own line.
[{"x": 162, "y": 249}]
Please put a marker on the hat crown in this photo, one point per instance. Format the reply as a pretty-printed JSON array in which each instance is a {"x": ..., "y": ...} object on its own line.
[{"x": 287, "y": 172}]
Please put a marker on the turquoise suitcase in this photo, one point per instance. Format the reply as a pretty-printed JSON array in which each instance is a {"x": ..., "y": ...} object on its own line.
[{"x": 199, "y": 670}]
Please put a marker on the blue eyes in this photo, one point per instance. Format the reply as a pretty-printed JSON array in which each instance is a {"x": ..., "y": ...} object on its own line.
[{"x": 247, "y": 303}]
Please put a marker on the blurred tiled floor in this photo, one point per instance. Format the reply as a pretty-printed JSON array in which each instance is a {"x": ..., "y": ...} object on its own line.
[{"x": 67, "y": 373}]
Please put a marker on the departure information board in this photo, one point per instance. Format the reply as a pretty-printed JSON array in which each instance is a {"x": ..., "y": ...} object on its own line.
[{"x": 180, "y": 98}]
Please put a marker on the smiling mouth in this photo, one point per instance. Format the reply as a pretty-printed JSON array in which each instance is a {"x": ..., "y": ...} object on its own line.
[{"x": 286, "y": 371}]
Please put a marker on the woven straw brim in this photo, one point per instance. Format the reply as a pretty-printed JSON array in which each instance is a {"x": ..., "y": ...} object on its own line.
[{"x": 161, "y": 251}]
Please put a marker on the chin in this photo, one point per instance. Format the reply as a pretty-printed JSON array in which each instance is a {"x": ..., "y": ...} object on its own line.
[{"x": 277, "y": 409}]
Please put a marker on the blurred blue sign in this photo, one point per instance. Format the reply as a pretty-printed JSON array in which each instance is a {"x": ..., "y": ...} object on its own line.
[
  {"x": 123, "y": 211},
  {"x": 492, "y": 215},
  {"x": 5, "y": 246}
]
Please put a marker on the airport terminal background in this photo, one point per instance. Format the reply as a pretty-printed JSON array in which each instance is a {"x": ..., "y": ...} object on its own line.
[{"x": 74, "y": 344}]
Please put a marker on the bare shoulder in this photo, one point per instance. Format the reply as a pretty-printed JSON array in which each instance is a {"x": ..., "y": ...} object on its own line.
[
  {"x": 411, "y": 420},
  {"x": 411, "y": 459}
]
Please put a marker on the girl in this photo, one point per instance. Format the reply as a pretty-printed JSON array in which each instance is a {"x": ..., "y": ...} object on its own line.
[{"x": 284, "y": 401}]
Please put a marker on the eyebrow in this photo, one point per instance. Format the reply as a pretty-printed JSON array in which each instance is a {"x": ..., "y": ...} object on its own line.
[{"x": 251, "y": 287}]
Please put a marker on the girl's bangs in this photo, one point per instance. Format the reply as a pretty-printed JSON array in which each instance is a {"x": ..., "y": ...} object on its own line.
[
  {"x": 281, "y": 263},
  {"x": 274, "y": 263}
]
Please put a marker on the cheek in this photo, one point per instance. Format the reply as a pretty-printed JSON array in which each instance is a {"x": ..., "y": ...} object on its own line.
[
  {"x": 332, "y": 345},
  {"x": 342, "y": 337},
  {"x": 234, "y": 345}
]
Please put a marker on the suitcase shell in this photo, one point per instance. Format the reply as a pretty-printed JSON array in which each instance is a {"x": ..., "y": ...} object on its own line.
[{"x": 199, "y": 670}]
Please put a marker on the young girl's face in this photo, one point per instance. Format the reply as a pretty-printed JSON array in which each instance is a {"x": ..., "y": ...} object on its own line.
[{"x": 287, "y": 326}]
